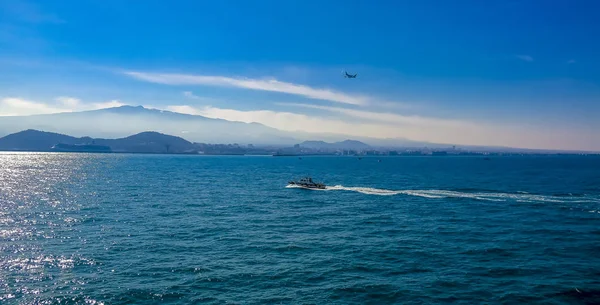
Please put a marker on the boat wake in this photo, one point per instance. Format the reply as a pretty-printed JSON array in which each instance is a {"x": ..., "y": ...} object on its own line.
[
  {"x": 364, "y": 190},
  {"x": 485, "y": 196}
]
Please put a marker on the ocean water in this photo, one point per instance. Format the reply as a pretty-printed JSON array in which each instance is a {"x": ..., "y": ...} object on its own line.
[{"x": 164, "y": 229}]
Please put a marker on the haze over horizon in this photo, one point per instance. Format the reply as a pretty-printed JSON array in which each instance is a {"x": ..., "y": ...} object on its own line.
[{"x": 460, "y": 72}]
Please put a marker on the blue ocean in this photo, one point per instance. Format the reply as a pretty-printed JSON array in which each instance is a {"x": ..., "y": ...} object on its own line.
[{"x": 168, "y": 229}]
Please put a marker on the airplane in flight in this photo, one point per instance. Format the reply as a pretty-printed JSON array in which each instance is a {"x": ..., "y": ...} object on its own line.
[{"x": 349, "y": 75}]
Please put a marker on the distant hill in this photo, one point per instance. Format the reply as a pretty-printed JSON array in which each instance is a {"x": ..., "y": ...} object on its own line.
[
  {"x": 145, "y": 142},
  {"x": 346, "y": 144},
  {"x": 149, "y": 142},
  {"x": 352, "y": 144},
  {"x": 35, "y": 140}
]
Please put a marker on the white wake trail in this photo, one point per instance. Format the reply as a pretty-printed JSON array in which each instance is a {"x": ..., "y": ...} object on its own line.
[
  {"x": 364, "y": 190},
  {"x": 485, "y": 196}
]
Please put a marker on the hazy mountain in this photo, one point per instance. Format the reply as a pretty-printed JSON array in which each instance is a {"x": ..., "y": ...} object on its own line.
[
  {"x": 126, "y": 120},
  {"x": 346, "y": 144},
  {"x": 145, "y": 142}
]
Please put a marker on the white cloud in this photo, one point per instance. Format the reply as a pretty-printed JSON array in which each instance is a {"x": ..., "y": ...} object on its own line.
[
  {"x": 68, "y": 101},
  {"x": 15, "y": 106},
  {"x": 109, "y": 104},
  {"x": 184, "y": 109},
  {"x": 525, "y": 57},
  {"x": 271, "y": 85}
]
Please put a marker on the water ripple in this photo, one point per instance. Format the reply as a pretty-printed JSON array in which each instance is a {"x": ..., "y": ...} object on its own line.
[{"x": 123, "y": 229}]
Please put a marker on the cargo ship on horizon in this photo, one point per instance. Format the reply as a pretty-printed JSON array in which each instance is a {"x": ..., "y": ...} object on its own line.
[{"x": 81, "y": 148}]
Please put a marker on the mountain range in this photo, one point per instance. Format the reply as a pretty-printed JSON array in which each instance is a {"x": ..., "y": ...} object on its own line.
[{"x": 120, "y": 122}]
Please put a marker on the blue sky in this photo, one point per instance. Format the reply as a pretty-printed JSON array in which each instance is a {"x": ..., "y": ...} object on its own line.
[{"x": 515, "y": 73}]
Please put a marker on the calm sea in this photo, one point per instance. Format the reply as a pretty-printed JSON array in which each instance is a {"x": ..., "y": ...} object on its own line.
[{"x": 164, "y": 229}]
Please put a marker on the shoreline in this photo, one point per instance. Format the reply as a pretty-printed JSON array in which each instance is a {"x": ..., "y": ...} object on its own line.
[{"x": 487, "y": 156}]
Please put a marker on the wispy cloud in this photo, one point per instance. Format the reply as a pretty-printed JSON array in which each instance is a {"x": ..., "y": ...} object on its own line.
[
  {"x": 15, "y": 106},
  {"x": 186, "y": 109},
  {"x": 525, "y": 58},
  {"x": 12, "y": 106},
  {"x": 75, "y": 104},
  {"x": 571, "y": 61},
  {"x": 271, "y": 85},
  {"x": 383, "y": 117},
  {"x": 108, "y": 104},
  {"x": 68, "y": 101}
]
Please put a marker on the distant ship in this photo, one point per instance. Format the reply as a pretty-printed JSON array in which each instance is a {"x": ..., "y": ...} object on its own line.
[
  {"x": 80, "y": 148},
  {"x": 307, "y": 183},
  {"x": 280, "y": 154}
]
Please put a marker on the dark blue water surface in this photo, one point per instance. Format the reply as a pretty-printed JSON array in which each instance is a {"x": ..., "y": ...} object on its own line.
[{"x": 154, "y": 229}]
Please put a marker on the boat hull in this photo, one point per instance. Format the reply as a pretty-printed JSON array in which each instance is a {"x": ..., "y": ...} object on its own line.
[{"x": 308, "y": 187}]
